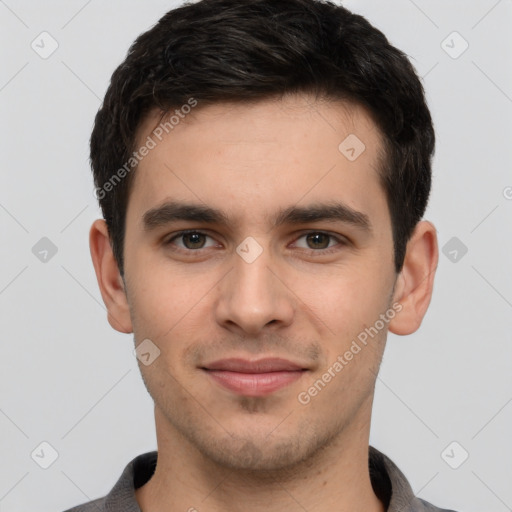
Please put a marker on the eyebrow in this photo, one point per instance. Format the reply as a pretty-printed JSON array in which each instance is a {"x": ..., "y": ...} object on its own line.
[{"x": 172, "y": 211}]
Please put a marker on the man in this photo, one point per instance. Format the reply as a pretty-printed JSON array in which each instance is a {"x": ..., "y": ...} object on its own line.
[{"x": 263, "y": 167}]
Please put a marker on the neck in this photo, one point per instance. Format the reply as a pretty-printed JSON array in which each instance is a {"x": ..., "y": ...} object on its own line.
[{"x": 335, "y": 478}]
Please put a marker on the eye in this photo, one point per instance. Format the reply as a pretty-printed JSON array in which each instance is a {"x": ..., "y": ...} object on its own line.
[
  {"x": 318, "y": 241},
  {"x": 192, "y": 240}
]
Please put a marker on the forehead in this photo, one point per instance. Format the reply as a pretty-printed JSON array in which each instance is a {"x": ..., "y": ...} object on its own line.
[{"x": 251, "y": 160}]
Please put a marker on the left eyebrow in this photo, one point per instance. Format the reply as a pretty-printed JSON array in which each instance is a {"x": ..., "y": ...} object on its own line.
[
  {"x": 333, "y": 212},
  {"x": 172, "y": 211}
]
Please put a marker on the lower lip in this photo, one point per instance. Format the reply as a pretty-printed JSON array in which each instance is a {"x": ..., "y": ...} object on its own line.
[{"x": 254, "y": 384}]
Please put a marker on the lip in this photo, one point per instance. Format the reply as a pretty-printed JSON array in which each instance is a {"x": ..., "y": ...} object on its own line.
[
  {"x": 267, "y": 365},
  {"x": 254, "y": 378}
]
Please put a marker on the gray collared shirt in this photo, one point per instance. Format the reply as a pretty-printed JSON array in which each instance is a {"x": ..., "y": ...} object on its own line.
[{"x": 388, "y": 482}]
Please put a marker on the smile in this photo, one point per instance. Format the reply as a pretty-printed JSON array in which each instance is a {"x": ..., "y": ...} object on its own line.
[{"x": 254, "y": 378}]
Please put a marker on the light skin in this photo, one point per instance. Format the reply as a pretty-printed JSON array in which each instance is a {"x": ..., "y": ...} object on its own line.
[{"x": 198, "y": 301}]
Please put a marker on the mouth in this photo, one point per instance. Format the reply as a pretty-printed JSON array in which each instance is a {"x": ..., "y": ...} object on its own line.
[{"x": 254, "y": 378}]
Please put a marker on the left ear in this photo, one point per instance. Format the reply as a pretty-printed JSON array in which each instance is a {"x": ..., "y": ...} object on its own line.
[{"x": 416, "y": 280}]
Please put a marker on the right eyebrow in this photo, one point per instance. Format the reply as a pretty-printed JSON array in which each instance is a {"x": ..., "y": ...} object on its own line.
[{"x": 174, "y": 210}]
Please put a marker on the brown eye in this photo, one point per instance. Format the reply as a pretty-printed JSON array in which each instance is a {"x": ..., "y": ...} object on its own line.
[
  {"x": 195, "y": 240},
  {"x": 190, "y": 241},
  {"x": 318, "y": 243},
  {"x": 318, "y": 240}
]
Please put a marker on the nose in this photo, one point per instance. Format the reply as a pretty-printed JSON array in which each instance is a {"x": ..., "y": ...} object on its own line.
[{"x": 254, "y": 296}]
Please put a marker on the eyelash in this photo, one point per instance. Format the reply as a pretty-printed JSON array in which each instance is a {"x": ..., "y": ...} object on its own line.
[{"x": 341, "y": 242}]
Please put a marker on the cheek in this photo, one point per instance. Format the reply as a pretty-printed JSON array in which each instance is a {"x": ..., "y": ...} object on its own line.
[
  {"x": 163, "y": 301},
  {"x": 175, "y": 309},
  {"x": 345, "y": 304},
  {"x": 346, "y": 295}
]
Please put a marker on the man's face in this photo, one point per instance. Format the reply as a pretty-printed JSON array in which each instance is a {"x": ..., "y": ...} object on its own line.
[{"x": 300, "y": 290}]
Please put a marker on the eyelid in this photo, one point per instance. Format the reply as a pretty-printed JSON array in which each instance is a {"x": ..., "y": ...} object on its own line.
[
  {"x": 186, "y": 232},
  {"x": 341, "y": 240}
]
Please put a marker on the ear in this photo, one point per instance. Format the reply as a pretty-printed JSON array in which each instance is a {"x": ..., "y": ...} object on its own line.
[
  {"x": 416, "y": 280},
  {"x": 109, "y": 278}
]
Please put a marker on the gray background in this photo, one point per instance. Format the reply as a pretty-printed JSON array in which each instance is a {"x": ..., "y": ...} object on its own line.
[{"x": 67, "y": 378}]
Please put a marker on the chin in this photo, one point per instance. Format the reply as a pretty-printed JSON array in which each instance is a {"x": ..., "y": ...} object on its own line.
[
  {"x": 249, "y": 456},
  {"x": 263, "y": 453}
]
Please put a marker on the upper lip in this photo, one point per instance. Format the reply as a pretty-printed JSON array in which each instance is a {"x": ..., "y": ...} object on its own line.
[{"x": 260, "y": 366}]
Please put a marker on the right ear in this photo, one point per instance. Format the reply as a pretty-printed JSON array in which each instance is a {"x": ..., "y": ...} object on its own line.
[{"x": 109, "y": 278}]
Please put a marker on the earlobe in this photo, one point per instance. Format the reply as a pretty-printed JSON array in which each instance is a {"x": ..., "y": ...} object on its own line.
[
  {"x": 416, "y": 280},
  {"x": 109, "y": 278}
]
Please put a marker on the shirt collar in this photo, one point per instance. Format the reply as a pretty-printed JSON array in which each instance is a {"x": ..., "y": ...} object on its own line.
[{"x": 389, "y": 484}]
